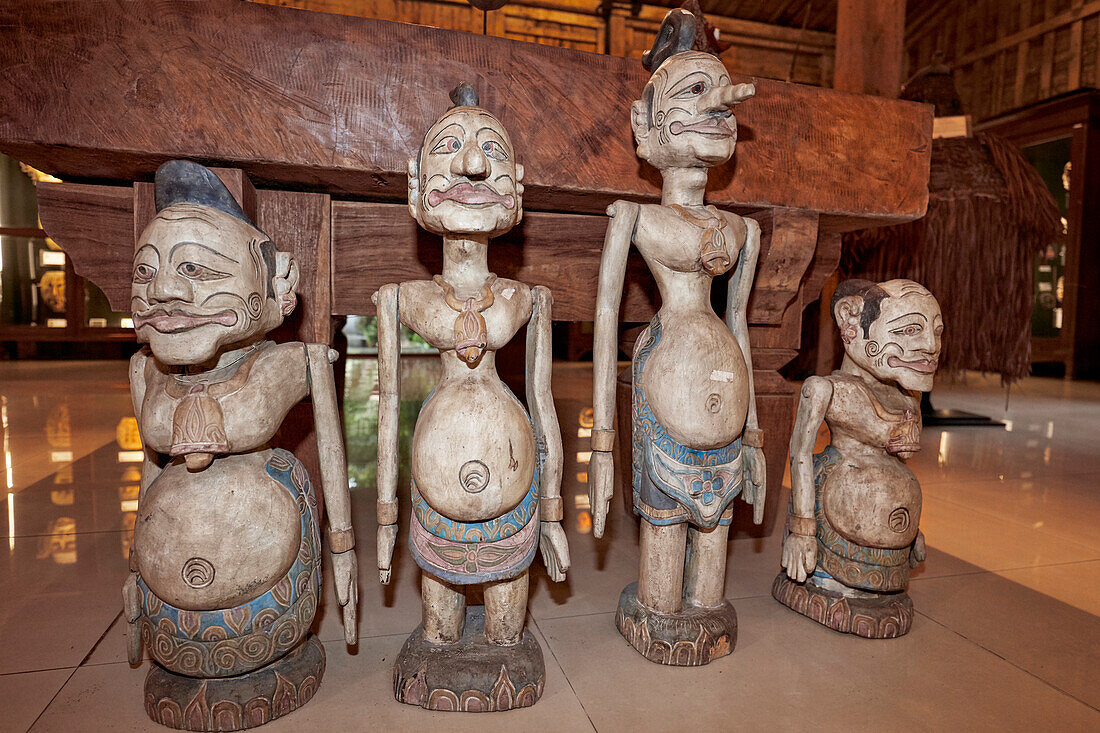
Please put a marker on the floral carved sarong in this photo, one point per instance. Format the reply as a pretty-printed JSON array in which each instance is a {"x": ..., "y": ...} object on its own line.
[
  {"x": 475, "y": 552},
  {"x": 674, "y": 483},
  {"x": 234, "y": 641},
  {"x": 856, "y": 566}
]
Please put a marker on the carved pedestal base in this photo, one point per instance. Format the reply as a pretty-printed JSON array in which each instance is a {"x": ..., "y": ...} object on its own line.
[
  {"x": 236, "y": 703},
  {"x": 473, "y": 675},
  {"x": 886, "y": 616},
  {"x": 691, "y": 638}
]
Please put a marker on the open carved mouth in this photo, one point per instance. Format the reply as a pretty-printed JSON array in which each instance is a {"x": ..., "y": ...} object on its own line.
[
  {"x": 924, "y": 366},
  {"x": 471, "y": 194},
  {"x": 710, "y": 126},
  {"x": 178, "y": 321}
]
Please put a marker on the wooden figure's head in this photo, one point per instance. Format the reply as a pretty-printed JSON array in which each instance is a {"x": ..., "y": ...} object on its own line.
[
  {"x": 465, "y": 180},
  {"x": 205, "y": 279},
  {"x": 685, "y": 116},
  {"x": 892, "y": 329}
]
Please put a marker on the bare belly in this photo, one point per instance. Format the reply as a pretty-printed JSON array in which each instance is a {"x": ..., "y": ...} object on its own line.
[
  {"x": 473, "y": 454},
  {"x": 216, "y": 538},
  {"x": 873, "y": 501},
  {"x": 696, "y": 382}
]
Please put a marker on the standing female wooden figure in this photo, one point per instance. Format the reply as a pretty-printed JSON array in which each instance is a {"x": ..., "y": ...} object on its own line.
[
  {"x": 486, "y": 478},
  {"x": 695, "y": 430},
  {"x": 226, "y": 561},
  {"x": 853, "y": 527}
]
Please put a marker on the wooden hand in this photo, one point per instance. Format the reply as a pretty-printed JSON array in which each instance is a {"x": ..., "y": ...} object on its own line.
[
  {"x": 799, "y": 556},
  {"x": 387, "y": 537},
  {"x": 555, "y": 550},
  {"x": 601, "y": 487},
  {"x": 345, "y": 570}
]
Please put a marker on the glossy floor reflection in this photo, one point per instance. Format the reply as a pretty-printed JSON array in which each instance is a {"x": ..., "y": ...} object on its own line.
[{"x": 1007, "y": 634}]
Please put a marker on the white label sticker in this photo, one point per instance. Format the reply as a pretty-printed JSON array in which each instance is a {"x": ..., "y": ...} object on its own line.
[
  {"x": 508, "y": 293},
  {"x": 720, "y": 376}
]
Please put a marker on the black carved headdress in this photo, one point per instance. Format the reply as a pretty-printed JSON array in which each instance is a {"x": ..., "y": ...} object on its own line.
[
  {"x": 464, "y": 95},
  {"x": 182, "y": 181},
  {"x": 676, "y": 35}
]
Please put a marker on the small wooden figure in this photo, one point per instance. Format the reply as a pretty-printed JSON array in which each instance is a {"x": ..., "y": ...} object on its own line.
[
  {"x": 486, "y": 478},
  {"x": 855, "y": 507},
  {"x": 696, "y": 440},
  {"x": 225, "y": 569}
]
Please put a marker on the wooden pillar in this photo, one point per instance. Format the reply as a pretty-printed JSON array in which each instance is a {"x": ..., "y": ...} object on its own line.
[{"x": 869, "y": 52}]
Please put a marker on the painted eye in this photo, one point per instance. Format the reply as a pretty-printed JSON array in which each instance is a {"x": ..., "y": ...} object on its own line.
[
  {"x": 697, "y": 88},
  {"x": 449, "y": 144},
  {"x": 494, "y": 150},
  {"x": 911, "y": 330},
  {"x": 144, "y": 273},
  {"x": 195, "y": 271}
]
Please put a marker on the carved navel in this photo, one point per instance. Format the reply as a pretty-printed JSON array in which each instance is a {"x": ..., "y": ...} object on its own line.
[
  {"x": 198, "y": 573},
  {"x": 899, "y": 519},
  {"x": 474, "y": 476},
  {"x": 714, "y": 402}
]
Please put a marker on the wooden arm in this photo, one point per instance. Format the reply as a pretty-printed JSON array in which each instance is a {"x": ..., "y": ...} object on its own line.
[{"x": 541, "y": 401}]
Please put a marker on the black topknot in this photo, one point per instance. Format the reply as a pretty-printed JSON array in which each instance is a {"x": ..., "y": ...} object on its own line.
[
  {"x": 676, "y": 35},
  {"x": 182, "y": 181},
  {"x": 464, "y": 95}
]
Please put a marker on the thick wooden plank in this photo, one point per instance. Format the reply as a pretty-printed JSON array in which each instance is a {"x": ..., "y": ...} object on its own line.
[
  {"x": 337, "y": 104},
  {"x": 869, "y": 46}
]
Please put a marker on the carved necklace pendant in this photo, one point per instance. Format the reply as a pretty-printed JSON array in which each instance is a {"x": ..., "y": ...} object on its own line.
[
  {"x": 471, "y": 333},
  {"x": 712, "y": 253}
]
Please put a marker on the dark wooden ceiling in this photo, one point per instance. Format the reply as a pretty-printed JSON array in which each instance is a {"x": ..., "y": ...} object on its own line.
[{"x": 815, "y": 15}]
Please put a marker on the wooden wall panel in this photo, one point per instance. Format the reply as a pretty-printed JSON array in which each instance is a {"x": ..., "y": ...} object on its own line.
[{"x": 1009, "y": 53}]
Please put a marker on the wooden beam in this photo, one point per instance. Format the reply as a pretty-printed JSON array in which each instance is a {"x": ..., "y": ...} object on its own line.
[
  {"x": 337, "y": 104},
  {"x": 869, "y": 43}
]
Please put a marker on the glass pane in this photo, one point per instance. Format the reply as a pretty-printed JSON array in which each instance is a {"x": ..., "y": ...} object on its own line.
[
  {"x": 98, "y": 310},
  {"x": 18, "y": 205},
  {"x": 32, "y": 282},
  {"x": 362, "y": 335},
  {"x": 1052, "y": 160}
]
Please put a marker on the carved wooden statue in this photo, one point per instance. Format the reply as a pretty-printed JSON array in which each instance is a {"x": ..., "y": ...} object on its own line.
[
  {"x": 486, "y": 477},
  {"x": 696, "y": 440},
  {"x": 226, "y": 563},
  {"x": 855, "y": 507}
]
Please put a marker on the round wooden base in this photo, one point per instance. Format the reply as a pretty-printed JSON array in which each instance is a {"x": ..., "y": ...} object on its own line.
[
  {"x": 236, "y": 703},
  {"x": 472, "y": 675},
  {"x": 691, "y": 638},
  {"x": 887, "y": 616}
]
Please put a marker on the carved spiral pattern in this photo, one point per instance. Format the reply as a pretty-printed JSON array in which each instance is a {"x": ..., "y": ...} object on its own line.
[
  {"x": 255, "y": 305},
  {"x": 714, "y": 402},
  {"x": 198, "y": 572},
  {"x": 899, "y": 519},
  {"x": 872, "y": 349},
  {"x": 474, "y": 476}
]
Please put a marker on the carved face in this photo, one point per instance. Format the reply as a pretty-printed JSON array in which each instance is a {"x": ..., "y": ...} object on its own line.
[
  {"x": 466, "y": 180},
  {"x": 203, "y": 282},
  {"x": 685, "y": 119},
  {"x": 902, "y": 344}
]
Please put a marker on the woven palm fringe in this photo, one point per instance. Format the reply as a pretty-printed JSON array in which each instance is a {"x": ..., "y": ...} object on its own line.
[{"x": 975, "y": 250}]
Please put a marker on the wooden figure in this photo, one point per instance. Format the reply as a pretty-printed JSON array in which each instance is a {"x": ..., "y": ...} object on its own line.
[
  {"x": 855, "y": 507},
  {"x": 696, "y": 441},
  {"x": 486, "y": 478},
  {"x": 225, "y": 570}
]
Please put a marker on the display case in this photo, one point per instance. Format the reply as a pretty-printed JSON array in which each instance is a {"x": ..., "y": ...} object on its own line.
[
  {"x": 1061, "y": 138},
  {"x": 41, "y": 297}
]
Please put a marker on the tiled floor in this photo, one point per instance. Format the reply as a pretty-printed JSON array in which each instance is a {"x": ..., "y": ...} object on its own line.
[{"x": 1006, "y": 638}]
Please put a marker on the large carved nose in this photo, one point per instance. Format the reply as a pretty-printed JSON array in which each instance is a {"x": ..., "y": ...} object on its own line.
[
  {"x": 167, "y": 286},
  {"x": 722, "y": 98},
  {"x": 471, "y": 162}
]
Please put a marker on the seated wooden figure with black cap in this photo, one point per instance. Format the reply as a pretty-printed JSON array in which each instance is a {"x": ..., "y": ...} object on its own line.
[
  {"x": 853, "y": 527},
  {"x": 696, "y": 441},
  {"x": 486, "y": 476},
  {"x": 225, "y": 570}
]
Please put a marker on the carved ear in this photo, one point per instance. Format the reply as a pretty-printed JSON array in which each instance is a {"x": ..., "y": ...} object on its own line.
[
  {"x": 639, "y": 122},
  {"x": 285, "y": 283},
  {"x": 846, "y": 312},
  {"x": 414, "y": 187}
]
